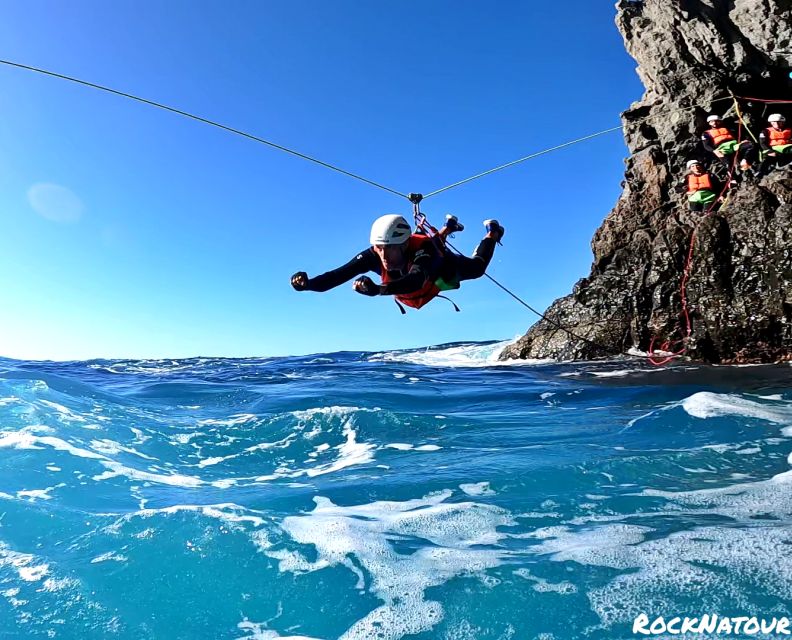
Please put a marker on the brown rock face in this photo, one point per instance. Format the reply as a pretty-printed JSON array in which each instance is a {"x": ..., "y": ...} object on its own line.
[{"x": 692, "y": 56}]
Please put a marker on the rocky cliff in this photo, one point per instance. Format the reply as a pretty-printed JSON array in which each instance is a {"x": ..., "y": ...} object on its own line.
[{"x": 692, "y": 56}]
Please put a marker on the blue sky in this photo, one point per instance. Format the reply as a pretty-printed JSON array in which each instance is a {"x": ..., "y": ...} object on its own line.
[{"x": 126, "y": 231}]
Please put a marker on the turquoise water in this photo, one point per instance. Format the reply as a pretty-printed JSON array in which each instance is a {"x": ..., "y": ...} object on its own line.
[{"x": 415, "y": 494}]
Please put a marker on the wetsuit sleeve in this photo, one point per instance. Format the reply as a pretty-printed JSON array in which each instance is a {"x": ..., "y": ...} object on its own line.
[
  {"x": 363, "y": 262},
  {"x": 763, "y": 140},
  {"x": 422, "y": 269},
  {"x": 706, "y": 142}
]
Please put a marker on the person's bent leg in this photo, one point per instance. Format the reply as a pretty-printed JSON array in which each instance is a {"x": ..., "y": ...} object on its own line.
[{"x": 474, "y": 267}]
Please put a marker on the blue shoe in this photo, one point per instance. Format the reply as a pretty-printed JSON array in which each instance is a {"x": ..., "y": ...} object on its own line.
[
  {"x": 453, "y": 225},
  {"x": 494, "y": 227}
]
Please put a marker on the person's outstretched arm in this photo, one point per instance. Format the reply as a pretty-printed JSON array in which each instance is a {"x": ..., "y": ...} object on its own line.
[{"x": 363, "y": 262}]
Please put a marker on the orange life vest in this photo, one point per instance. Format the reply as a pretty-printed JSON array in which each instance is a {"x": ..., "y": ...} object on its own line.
[
  {"x": 699, "y": 183},
  {"x": 776, "y": 138},
  {"x": 428, "y": 291},
  {"x": 719, "y": 136}
]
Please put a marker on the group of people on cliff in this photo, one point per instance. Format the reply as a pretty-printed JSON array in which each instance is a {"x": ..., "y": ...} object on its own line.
[{"x": 705, "y": 190}]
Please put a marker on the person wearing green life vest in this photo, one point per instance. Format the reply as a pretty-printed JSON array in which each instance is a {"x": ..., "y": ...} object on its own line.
[
  {"x": 702, "y": 188},
  {"x": 776, "y": 143},
  {"x": 720, "y": 141}
]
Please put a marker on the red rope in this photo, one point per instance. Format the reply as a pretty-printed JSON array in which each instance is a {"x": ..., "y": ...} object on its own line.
[
  {"x": 686, "y": 271},
  {"x": 767, "y": 101}
]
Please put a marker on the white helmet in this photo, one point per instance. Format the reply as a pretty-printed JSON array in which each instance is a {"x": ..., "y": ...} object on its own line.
[
  {"x": 713, "y": 117},
  {"x": 776, "y": 117},
  {"x": 692, "y": 163},
  {"x": 390, "y": 229}
]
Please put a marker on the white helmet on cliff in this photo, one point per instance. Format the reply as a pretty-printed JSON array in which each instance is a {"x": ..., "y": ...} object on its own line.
[
  {"x": 776, "y": 117},
  {"x": 714, "y": 117},
  {"x": 693, "y": 163},
  {"x": 390, "y": 229}
]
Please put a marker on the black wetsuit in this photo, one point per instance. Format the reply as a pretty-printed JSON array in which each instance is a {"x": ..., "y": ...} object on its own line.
[
  {"x": 744, "y": 152},
  {"x": 426, "y": 264},
  {"x": 777, "y": 159}
]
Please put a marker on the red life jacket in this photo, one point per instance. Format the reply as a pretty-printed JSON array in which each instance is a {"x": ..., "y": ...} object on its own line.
[
  {"x": 719, "y": 136},
  {"x": 428, "y": 291},
  {"x": 776, "y": 138},
  {"x": 699, "y": 183}
]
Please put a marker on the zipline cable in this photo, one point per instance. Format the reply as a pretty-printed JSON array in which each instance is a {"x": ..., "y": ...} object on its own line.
[
  {"x": 514, "y": 162},
  {"x": 298, "y": 154},
  {"x": 205, "y": 121},
  {"x": 381, "y": 186},
  {"x": 542, "y": 315},
  {"x": 566, "y": 144}
]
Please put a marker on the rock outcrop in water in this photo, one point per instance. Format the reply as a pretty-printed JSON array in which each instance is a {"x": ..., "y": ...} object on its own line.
[{"x": 692, "y": 55}]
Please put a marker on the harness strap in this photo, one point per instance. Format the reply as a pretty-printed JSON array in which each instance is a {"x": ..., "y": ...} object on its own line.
[
  {"x": 456, "y": 308},
  {"x": 401, "y": 308}
]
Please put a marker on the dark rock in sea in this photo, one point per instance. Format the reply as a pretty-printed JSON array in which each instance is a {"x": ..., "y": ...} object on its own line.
[{"x": 692, "y": 56}]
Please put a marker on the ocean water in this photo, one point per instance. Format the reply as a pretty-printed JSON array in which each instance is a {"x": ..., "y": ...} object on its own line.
[{"x": 419, "y": 494}]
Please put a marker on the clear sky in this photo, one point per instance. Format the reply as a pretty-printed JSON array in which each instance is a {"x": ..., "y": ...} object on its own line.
[{"x": 126, "y": 231}]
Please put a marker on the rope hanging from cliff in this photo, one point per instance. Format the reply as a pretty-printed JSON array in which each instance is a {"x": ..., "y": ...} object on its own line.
[{"x": 672, "y": 349}]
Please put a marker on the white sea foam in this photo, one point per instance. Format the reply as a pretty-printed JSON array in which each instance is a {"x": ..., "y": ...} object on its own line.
[
  {"x": 228, "y": 512},
  {"x": 477, "y": 489},
  {"x": 258, "y": 631},
  {"x": 350, "y": 453},
  {"x": 702, "y": 565},
  {"x": 115, "y": 469},
  {"x": 37, "y": 494},
  {"x": 364, "y": 532},
  {"x": 261, "y": 446},
  {"x": 619, "y": 373},
  {"x": 471, "y": 355},
  {"x": 111, "y": 447},
  {"x": 543, "y": 586},
  {"x": 63, "y": 411},
  {"x": 140, "y": 437},
  {"x": 184, "y": 438},
  {"x": 110, "y": 556},
  {"x": 25, "y": 439},
  {"x": 28, "y": 567},
  {"x": 706, "y": 404},
  {"x": 231, "y": 421}
]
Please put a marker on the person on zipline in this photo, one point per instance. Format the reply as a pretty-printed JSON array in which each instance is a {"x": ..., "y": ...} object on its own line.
[
  {"x": 702, "y": 188},
  {"x": 413, "y": 267},
  {"x": 721, "y": 142},
  {"x": 776, "y": 142}
]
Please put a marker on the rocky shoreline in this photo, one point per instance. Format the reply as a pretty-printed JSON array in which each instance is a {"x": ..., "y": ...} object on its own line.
[{"x": 693, "y": 57}]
